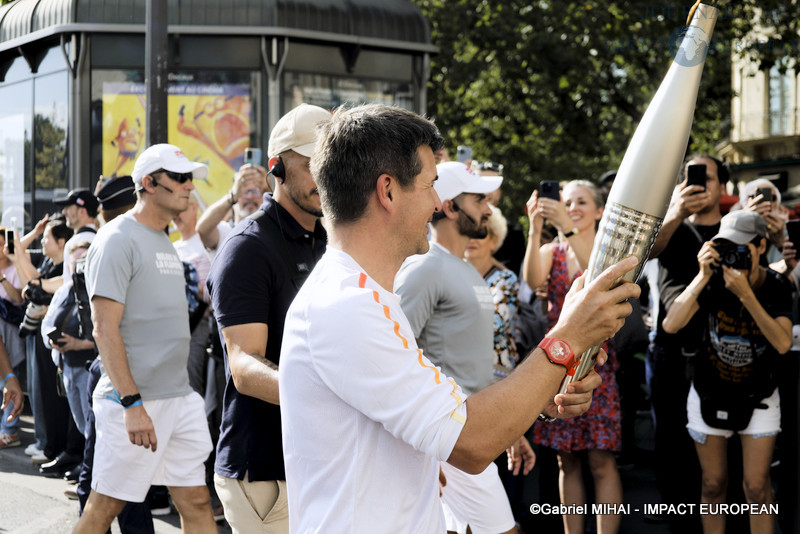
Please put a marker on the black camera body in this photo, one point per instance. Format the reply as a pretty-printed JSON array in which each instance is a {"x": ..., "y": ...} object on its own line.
[
  {"x": 37, "y": 295},
  {"x": 734, "y": 256}
]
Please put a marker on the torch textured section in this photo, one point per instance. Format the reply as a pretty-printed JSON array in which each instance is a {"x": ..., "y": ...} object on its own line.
[
  {"x": 649, "y": 170},
  {"x": 623, "y": 232}
]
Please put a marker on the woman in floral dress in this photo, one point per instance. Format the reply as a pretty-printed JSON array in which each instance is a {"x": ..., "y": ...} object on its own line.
[{"x": 598, "y": 431}]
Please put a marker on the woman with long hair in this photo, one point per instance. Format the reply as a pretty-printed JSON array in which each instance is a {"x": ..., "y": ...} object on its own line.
[{"x": 597, "y": 433}]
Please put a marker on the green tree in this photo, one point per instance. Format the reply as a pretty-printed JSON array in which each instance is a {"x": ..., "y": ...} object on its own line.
[{"x": 554, "y": 90}]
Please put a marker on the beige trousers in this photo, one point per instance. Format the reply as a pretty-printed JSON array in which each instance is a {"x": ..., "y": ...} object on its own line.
[{"x": 259, "y": 506}]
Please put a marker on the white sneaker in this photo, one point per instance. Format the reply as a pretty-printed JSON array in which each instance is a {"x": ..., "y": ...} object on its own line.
[
  {"x": 40, "y": 459},
  {"x": 32, "y": 450}
]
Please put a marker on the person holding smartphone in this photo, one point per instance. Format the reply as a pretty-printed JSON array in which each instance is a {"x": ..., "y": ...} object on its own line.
[
  {"x": 11, "y": 314},
  {"x": 599, "y": 430},
  {"x": 692, "y": 219},
  {"x": 734, "y": 388},
  {"x": 762, "y": 197}
]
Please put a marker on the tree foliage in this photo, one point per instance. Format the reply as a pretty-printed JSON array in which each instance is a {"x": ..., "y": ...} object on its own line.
[{"x": 554, "y": 90}]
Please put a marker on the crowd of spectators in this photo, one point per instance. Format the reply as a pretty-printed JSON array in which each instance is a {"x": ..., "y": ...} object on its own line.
[{"x": 719, "y": 309}]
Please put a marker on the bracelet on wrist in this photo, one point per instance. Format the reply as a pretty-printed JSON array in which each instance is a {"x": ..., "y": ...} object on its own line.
[
  {"x": 231, "y": 200},
  {"x": 136, "y": 403},
  {"x": 9, "y": 375},
  {"x": 545, "y": 418}
]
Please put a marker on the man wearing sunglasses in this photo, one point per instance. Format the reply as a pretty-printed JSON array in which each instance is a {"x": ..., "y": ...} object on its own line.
[{"x": 151, "y": 425}]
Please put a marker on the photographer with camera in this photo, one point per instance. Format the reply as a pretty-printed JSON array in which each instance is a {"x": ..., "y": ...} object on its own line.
[
  {"x": 50, "y": 411},
  {"x": 748, "y": 311}
]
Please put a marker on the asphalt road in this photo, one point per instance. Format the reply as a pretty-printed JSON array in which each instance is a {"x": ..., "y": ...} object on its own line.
[{"x": 33, "y": 504}]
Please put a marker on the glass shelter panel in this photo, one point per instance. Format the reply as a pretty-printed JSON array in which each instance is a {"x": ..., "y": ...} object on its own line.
[
  {"x": 15, "y": 145},
  {"x": 50, "y": 128},
  {"x": 332, "y": 91}
]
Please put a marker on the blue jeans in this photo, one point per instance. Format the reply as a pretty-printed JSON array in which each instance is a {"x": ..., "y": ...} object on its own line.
[
  {"x": 75, "y": 382},
  {"x": 35, "y": 393}
]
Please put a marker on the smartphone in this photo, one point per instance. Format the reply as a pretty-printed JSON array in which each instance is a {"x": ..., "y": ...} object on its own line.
[
  {"x": 463, "y": 153},
  {"x": 54, "y": 336},
  {"x": 696, "y": 175},
  {"x": 10, "y": 240},
  {"x": 550, "y": 189},
  {"x": 767, "y": 193},
  {"x": 252, "y": 156},
  {"x": 793, "y": 228}
]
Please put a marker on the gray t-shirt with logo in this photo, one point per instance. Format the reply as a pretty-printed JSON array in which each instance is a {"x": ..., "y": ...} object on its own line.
[
  {"x": 450, "y": 308},
  {"x": 137, "y": 266}
]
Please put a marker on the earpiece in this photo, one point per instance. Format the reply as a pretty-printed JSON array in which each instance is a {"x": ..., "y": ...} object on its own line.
[
  {"x": 277, "y": 169},
  {"x": 156, "y": 184},
  {"x": 456, "y": 208}
]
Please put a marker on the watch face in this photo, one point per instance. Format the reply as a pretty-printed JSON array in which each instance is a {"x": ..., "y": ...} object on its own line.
[{"x": 559, "y": 351}]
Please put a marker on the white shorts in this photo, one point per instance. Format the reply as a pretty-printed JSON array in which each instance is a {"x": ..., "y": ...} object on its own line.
[
  {"x": 479, "y": 501},
  {"x": 126, "y": 471},
  {"x": 765, "y": 422}
]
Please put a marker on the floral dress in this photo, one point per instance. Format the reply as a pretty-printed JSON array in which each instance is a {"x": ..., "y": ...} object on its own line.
[
  {"x": 504, "y": 286},
  {"x": 599, "y": 428}
]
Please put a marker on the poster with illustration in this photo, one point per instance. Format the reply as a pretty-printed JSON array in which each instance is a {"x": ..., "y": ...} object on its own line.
[{"x": 210, "y": 122}]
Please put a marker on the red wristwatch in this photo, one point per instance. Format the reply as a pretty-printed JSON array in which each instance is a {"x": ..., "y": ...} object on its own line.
[{"x": 560, "y": 353}]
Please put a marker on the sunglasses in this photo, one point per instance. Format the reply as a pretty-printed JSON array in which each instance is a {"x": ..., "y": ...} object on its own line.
[{"x": 179, "y": 177}]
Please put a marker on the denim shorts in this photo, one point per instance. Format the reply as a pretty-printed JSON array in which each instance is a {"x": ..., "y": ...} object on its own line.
[{"x": 765, "y": 421}]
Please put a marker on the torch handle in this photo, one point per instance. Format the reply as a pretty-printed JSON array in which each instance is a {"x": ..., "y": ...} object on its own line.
[{"x": 623, "y": 232}]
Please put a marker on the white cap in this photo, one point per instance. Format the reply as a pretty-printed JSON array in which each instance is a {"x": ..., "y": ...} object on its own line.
[
  {"x": 297, "y": 131},
  {"x": 456, "y": 178},
  {"x": 169, "y": 158}
]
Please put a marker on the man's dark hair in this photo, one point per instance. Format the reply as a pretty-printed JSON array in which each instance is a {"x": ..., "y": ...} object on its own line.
[
  {"x": 360, "y": 144},
  {"x": 722, "y": 170},
  {"x": 59, "y": 229}
]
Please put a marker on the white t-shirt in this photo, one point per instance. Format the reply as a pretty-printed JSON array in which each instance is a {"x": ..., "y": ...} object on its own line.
[{"x": 366, "y": 417}]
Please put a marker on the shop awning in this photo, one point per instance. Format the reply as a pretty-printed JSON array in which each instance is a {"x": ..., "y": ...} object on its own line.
[{"x": 395, "y": 24}]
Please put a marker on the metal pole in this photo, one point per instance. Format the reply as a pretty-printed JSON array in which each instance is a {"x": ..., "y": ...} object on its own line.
[{"x": 156, "y": 48}]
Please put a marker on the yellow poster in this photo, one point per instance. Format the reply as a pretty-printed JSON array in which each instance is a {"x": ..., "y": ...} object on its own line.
[{"x": 209, "y": 122}]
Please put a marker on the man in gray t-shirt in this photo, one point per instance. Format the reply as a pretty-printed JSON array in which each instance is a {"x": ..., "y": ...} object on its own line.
[
  {"x": 450, "y": 309},
  {"x": 151, "y": 426}
]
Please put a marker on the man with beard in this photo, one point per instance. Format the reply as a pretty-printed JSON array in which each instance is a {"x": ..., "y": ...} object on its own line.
[
  {"x": 244, "y": 197},
  {"x": 255, "y": 276},
  {"x": 451, "y": 311}
]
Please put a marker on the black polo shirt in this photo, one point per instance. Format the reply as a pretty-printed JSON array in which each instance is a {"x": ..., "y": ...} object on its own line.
[{"x": 250, "y": 283}]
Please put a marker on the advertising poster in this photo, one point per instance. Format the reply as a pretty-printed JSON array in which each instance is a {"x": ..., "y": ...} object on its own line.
[{"x": 210, "y": 122}]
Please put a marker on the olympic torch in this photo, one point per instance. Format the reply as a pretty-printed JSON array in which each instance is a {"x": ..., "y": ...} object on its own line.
[{"x": 639, "y": 198}]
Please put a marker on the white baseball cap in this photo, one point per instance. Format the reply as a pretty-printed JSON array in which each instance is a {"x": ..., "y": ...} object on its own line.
[
  {"x": 297, "y": 131},
  {"x": 456, "y": 178},
  {"x": 169, "y": 158}
]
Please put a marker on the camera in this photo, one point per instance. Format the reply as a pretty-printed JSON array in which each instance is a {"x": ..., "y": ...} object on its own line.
[
  {"x": 734, "y": 256},
  {"x": 36, "y": 295},
  {"x": 30, "y": 323}
]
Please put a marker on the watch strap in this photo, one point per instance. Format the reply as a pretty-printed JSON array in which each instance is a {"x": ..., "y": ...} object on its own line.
[
  {"x": 572, "y": 232},
  {"x": 129, "y": 401}
]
